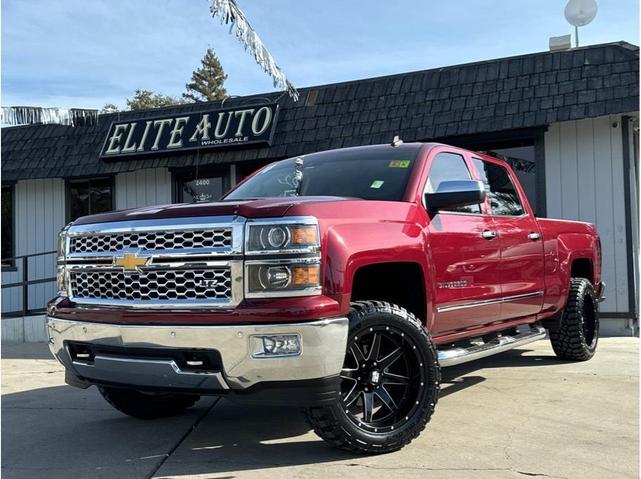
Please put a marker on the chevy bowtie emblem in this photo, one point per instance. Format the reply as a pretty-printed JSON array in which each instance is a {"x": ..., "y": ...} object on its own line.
[{"x": 130, "y": 261}]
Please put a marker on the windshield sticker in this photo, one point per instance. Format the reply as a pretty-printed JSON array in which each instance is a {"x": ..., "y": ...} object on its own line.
[
  {"x": 376, "y": 184},
  {"x": 399, "y": 164}
]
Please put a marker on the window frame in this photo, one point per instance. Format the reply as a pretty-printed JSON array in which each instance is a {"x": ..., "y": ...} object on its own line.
[
  {"x": 11, "y": 266},
  {"x": 70, "y": 181},
  {"x": 473, "y": 176},
  {"x": 515, "y": 184}
]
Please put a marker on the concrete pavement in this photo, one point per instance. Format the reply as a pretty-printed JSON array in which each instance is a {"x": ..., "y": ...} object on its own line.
[{"x": 516, "y": 415}]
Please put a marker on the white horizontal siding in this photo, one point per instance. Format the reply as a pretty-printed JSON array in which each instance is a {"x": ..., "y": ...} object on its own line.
[
  {"x": 143, "y": 188},
  {"x": 584, "y": 181},
  {"x": 39, "y": 216}
]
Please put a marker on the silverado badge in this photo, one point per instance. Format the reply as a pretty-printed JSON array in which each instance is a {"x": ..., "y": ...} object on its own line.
[{"x": 130, "y": 261}]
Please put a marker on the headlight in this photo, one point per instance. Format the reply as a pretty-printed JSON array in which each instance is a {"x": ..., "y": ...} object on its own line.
[
  {"x": 286, "y": 235},
  {"x": 61, "y": 277},
  {"x": 62, "y": 243},
  {"x": 295, "y": 277},
  {"x": 61, "y": 280}
]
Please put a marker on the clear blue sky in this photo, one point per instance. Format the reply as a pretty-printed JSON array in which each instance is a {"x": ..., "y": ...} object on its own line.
[{"x": 85, "y": 53}]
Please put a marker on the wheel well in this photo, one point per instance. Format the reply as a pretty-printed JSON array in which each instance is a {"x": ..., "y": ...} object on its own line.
[
  {"x": 398, "y": 283},
  {"x": 582, "y": 268}
]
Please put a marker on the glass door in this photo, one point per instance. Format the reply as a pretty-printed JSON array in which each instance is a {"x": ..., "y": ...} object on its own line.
[{"x": 202, "y": 186}]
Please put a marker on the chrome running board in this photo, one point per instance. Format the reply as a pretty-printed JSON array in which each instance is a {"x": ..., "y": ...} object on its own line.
[{"x": 454, "y": 356}]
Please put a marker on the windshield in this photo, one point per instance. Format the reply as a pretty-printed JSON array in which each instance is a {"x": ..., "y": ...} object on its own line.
[{"x": 366, "y": 173}]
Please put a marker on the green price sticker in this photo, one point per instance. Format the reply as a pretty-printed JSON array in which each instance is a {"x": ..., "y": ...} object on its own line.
[{"x": 399, "y": 164}]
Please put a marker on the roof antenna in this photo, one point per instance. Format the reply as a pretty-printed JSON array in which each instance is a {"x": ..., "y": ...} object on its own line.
[{"x": 397, "y": 141}]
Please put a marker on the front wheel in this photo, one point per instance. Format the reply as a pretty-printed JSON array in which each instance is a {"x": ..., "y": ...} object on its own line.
[{"x": 389, "y": 382}]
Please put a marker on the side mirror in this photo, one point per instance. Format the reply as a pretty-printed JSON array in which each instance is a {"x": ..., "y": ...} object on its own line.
[{"x": 455, "y": 193}]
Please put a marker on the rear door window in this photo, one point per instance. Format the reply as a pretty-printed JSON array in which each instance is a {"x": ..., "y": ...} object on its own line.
[{"x": 504, "y": 197}]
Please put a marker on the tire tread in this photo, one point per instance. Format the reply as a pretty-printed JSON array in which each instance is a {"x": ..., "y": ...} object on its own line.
[
  {"x": 568, "y": 340},
  {"x": 325, "y": 423}
]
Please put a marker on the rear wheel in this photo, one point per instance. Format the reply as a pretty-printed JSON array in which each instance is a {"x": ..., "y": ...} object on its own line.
[
  {"x": 389, "y": 382},
  {"x": 576, "y": 336},
  {"x": 144, "y": 405}
]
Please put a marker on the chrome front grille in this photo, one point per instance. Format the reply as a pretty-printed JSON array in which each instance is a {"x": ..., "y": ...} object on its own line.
[
  {"x": 153, "y": 285},
  {"x": 169, "y": 263},
  {"x": 151, "y": 241}
]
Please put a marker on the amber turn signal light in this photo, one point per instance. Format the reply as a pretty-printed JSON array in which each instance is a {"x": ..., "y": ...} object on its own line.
[
  {"x": 304, "y": 235},
  {"x": 306, "y": 275}
]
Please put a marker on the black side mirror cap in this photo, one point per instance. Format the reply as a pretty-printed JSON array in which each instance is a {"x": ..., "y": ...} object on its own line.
[{"x": 455, "y": 193}]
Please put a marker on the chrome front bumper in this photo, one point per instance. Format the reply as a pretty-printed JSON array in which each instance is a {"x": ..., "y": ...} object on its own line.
[{"x": 322, "y": 353}]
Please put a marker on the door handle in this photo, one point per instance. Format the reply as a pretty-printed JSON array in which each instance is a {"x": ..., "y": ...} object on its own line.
[
  {"x": 534, "y": 236},
  {"x": 488, "y": 234}
]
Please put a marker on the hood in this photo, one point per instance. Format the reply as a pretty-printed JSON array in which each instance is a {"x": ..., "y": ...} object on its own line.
[{"x": 259, "y": 208}]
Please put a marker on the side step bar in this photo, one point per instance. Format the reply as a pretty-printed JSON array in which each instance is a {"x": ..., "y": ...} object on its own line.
[{"x": 454, "y": 356}]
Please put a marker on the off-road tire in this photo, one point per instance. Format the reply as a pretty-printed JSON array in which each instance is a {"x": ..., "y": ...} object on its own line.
[
  {"x": 332, "y": 423},
  {"x": 147, "y": 405},
  {"x": 576, "y": 336}
]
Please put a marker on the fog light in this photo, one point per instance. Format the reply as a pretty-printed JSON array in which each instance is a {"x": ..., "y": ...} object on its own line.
[{"x": 274, "y": 346}]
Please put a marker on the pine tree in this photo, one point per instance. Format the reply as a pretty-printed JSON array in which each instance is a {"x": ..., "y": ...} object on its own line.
[
  {"x": 144, "y": 99},
  {"x": 207, "y": 82}
]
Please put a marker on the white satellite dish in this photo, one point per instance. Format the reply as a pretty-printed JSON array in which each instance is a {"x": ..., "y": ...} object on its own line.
[{"x": 579, "y": 13}]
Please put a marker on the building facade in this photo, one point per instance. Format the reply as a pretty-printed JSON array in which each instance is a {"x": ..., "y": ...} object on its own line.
[{"x": 566, "y": 121}]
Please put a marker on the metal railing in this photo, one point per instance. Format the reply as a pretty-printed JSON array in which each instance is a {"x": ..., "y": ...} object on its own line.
[{"x": 25, "y": 283}]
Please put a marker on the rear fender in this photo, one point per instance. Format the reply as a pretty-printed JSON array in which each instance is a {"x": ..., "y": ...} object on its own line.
[{"x": 560, "y": 254}]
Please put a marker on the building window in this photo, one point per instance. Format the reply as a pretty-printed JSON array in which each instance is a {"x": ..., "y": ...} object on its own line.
[
  {"x": 89, "y": 196},
  {"x": 8, "y": 219},
  {"x": 202, "y": 186}
]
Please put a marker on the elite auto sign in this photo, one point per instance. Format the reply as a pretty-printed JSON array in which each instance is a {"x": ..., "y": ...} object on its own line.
[{"x": 206, "y": 129}]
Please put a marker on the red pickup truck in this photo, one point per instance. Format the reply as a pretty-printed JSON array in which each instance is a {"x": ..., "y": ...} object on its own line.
[{"x": 339, "y": 281}]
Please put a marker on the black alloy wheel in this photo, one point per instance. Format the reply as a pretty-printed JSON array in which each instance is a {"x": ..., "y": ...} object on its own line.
[
  {"x": 389, "y": 382},
  {"x": 381, "y": 379}
]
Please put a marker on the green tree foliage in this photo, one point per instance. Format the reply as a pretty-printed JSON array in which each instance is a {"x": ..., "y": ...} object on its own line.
[
  {"x": 207, "y": 82},
  {"x": 145, "y": 99},
  {"x": 109, "y": 108}
]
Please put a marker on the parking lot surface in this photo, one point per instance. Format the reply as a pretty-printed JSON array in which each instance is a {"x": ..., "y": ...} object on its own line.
[{"x": 516, "y": 415}]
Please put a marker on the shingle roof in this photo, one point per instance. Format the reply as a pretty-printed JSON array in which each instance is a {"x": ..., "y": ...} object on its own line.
[{"x": 490, "y": 96}]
